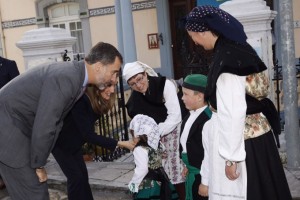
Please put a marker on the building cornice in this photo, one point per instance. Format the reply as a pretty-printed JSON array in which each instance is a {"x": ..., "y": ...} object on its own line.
[
  {"x": 19, "y": 23},
  {"x": 143, "y": 5}
]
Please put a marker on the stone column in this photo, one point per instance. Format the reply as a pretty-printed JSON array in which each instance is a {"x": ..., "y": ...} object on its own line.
[
  {"x": 45, "y": 45},
  {"x": 128, "y": 36},
  {"x": 290, "y": 93},
  {"x": 119, "y": 26},
  {"x": 256, "y": 18}
]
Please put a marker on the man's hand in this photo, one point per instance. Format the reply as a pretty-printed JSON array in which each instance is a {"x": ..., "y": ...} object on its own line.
[
  {"x": 126, "y": 144},
  {"x": 42, "y": 174},
  {"x": 231, "y": 172},
  {"x": 203, "y": 190}
]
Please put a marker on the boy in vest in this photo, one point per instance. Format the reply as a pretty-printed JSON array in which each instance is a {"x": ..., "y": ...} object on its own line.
[{"x": 192, "y": 128}]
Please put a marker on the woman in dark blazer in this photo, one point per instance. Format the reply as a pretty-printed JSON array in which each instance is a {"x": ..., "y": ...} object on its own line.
[
  {"x": 8, "y": 71},
  {"x": 78, "y": 129}
]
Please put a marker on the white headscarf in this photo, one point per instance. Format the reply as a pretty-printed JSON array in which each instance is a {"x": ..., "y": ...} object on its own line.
[
  {"x": 131, "y": 69},
  {"x": 143, "y": 124}
]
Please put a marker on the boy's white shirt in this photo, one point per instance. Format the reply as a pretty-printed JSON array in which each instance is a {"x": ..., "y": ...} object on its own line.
[{"x": 187, "y": 126}]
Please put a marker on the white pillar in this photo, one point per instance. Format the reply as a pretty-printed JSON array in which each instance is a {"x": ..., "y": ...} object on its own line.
[
  {"x": 256, "y": 18},
  {"x": 128, "y": 35},
  {"x": 45, "y": 45}
]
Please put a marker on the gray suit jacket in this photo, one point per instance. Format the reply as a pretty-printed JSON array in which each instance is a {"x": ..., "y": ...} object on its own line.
[{"x": 32, "y": 109}]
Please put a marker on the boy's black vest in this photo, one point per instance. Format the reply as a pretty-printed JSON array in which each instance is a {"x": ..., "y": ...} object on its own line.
[{"x": 194, "y": 145}]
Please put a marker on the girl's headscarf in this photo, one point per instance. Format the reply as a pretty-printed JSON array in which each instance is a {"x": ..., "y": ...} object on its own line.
[
  {"x": 134, "y": 68},
  {"x": 143, "y": 124},
  {"x": 209, "y": 18}
]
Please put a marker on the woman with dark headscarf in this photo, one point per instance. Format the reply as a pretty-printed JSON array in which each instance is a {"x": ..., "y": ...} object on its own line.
[{"x": 243, "y": 158}]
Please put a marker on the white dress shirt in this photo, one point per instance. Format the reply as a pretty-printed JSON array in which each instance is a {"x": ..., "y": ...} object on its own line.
[{"x": 186, "y": 130}]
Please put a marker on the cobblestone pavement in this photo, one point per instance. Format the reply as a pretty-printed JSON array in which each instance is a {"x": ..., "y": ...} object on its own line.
[{"x": 108, "y": 180}]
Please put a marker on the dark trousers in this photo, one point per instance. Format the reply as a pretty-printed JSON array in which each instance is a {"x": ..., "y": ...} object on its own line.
[{"x": 74, "y": 168}]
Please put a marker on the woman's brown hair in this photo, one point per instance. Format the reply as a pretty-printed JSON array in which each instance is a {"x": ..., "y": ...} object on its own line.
[{"x": 99, "y": 104}]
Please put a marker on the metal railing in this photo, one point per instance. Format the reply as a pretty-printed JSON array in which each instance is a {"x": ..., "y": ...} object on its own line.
[
  {"x": 112, "y": 125},
  {"x": 278, "y": 79}
]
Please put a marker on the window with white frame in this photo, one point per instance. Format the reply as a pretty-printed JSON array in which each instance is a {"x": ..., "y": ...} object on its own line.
[{"x": 66, "y": 16}]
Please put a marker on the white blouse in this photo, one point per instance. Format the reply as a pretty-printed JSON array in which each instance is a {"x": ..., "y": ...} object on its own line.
[
  {"x": 230, "y": 118},
  {"x": 231, "y": 106},
  {"x": 173, "y": 109}
]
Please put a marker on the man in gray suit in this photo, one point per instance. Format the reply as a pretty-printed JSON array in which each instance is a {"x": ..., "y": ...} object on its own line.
[
  {"x": 32, "y": 109},
  {"x": 8, "y": 71}
]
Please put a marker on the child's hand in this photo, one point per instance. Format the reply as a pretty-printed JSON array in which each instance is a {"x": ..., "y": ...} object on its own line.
[
  {"x": 184, "y": 172},
  {"x": 132, "y": 188},
  {"x": 203, "y": 190}
]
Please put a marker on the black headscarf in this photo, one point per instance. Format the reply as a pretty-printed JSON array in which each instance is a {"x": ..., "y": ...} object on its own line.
[{"x": 209, "y": 18}]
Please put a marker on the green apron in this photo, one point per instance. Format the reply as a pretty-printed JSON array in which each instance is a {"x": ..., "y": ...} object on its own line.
[{"x": 190, "y": 177}]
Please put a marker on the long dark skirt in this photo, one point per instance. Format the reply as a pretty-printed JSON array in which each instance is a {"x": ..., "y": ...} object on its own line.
[{"x": 265, "y": 175}]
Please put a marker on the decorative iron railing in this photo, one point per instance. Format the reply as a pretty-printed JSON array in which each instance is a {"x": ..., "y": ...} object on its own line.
[
  {"x": 278, "y": 91},
  {"x": 112, "y": 125}
]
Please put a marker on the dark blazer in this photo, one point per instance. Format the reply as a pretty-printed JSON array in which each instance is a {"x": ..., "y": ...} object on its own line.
[
  {"x": 8, "y": 71},
  {"x": 194, "y": 146},
  {"x": 79, "y": 128},
  {"x": 32, "y": 108}
]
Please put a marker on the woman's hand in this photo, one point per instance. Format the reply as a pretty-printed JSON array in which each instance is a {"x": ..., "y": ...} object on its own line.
[
  {"x": 42, "y": 174},
  {"x": 126, "y": 144},
  {"x": 231, "y": 171}
]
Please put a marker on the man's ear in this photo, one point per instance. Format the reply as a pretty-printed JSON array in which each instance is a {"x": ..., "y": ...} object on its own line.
[{"x": 98, "y": 66}]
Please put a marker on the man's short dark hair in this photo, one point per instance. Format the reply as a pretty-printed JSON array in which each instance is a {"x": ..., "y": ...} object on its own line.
[{"x": 104, "y": 53}]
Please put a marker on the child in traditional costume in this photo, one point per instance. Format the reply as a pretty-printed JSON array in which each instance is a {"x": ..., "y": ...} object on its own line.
[
  {"x": 149, "y": 180},
  {"x": 191, "y": 148}
]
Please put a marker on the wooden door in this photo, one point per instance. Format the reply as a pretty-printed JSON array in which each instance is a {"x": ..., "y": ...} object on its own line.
[
  {"x": 187, "y": 57},
  {"x": 180, "y": 41}
]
